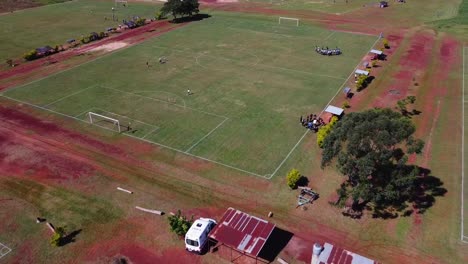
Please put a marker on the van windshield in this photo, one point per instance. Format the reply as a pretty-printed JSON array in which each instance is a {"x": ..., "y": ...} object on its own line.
[{"x": 191, "y": 242}]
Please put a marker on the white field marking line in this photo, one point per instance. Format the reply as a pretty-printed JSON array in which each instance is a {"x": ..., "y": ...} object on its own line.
[
  {"x": 159, "y": 100},
  {"x": 65, "y": 97},
  {"x": 150, "y": 132},
  {"x": 8, "y": 250},
  {"x": 329, "y": 36},
  {"x": 337, "y": 92},
  {"x": 462, "y": 224},
  {"x": 356, "y": 33},
  {"x": 84, "y": 63},
  {"x": 133, "y": 119},
  {"x": 84, "y": 112},
  {"x": 148, "y": 91},
  {"x": 208, "y": 134},
  {"x": 139, "y": 138}
]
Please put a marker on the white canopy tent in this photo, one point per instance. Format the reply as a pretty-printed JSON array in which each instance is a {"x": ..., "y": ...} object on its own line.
[
  {"x": 334, "y": 110},
  {"x": 362, "y": 72},
  {"x": 378, "y": 52}
]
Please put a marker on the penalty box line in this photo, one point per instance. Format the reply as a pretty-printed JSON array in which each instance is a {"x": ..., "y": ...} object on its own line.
[
  {"x": 207, "y": 135},
  {"x": 70, "y": 95},
  {"x": 155, "y": 128},
  {"x": 305, "y": 133},
  {"x": 139, "y": 138}
]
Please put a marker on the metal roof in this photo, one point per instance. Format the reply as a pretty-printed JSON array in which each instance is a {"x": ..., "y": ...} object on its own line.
[
  {"x": 334, "y": 255},
  {"x": 378, "y": 52},
  {"x": 241, "y": 231},
  {"x": 362, "y": 72},
  {"x": 334, "y": 110}
]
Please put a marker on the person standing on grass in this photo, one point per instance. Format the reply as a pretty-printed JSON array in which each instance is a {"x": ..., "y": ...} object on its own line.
[
  {"x": 129, "y": 127},
  {"x": 189, "y": 92}
]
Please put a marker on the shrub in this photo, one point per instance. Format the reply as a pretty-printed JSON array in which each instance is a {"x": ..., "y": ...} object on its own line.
[
  {"x": 374, "y": 63},
  {"x": 292, "y": 178},
  {"x": 102, "y": 35},
  {"x": 85, "y": 40},
  {"x": 385, "y": 43},
  {"x": 361, "y": 82},
  {"x": 140, "y": 22},
  {"x": 57, "y": 238},
  {"x": 159, "y": 15},
  {"x": 9, "y": 62},
  {"x": 179, "y": 224},
  {"x": 325, "y": 130},
  {"x": 32, "y": 55},
  {"x": 346, "y": 104}
]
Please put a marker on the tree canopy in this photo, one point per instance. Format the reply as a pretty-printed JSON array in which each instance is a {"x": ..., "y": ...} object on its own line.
[
  {"x": 180, "y": 7},
  {"x": 370, "y": 149}
]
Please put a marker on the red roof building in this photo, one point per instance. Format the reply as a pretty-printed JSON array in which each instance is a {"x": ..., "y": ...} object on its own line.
[{"x": 242, "y": 232}]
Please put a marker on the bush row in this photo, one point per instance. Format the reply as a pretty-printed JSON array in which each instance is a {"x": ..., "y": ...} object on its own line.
[{"x": 325, "y": 130}]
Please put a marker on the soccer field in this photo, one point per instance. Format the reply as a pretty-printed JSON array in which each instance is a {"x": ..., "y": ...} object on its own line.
[{"x": 251, "y": 79}]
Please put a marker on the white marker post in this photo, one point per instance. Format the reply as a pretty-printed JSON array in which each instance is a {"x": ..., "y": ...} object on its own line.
[{"x": 124, "y": 190}]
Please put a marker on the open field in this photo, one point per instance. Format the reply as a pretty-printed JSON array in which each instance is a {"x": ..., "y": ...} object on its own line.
[
  {"x": 240, "y": 113},
  {"x": 55, "y": 24}
]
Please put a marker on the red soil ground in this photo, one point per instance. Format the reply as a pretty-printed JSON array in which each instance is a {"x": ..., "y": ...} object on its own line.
[{"x": 12, "y": 5}]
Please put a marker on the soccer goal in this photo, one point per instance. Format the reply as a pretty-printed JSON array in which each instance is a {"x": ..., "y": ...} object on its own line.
[
  {"x": 288, "y": 19},
  {"x": 101, "y": 120}
]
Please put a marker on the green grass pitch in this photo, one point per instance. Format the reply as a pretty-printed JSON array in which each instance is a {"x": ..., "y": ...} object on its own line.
[{"x": 251, "y": 81}]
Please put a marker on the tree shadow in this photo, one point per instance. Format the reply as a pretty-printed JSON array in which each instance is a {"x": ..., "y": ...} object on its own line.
[
  {"x": 303, "y": 181},
  {"x": 70, "y": 238},
  {"x": 277, "y": 241},
  {"x": 185, "y": 19},
  {"x": 423, "y": 195},
  {"x": 427, "y": 188}
]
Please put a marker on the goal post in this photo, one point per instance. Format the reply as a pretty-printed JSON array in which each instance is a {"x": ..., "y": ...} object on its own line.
[
  {"x": 95, "y": 118},
  {"x": 290, "y": 19}
]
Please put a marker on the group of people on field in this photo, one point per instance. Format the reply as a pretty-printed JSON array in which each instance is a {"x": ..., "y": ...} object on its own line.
[
  {"x": 312, "y": 122},
  {"x": 326, "y": 51}
]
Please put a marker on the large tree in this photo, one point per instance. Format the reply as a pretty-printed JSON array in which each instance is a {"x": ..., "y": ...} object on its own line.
[
  {"x": 180, "y": 7},
  {"x": 370, "y": 149}
]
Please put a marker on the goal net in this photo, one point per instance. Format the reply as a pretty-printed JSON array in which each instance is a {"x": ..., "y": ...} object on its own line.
[
  {"x": 104, "y": 121},
  {"x": 288, "y": 20}
]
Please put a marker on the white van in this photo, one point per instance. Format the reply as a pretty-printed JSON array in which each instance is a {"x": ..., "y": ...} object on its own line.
[{"x": 197, "y": 235}]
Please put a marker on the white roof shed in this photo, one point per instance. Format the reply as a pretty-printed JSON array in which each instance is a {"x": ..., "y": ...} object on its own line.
[
  {"x": 334, "y": 110},
  {"x": 362, "y": 72}
]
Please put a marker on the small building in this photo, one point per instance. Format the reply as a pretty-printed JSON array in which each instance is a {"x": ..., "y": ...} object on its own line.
[
  {"x": 361, "y": 72},
  {"x": 329, "y": 254},
  {"x": 334, "y": 110},
  {"x": 242, "y": 232},
  {"x": 378, "y": 54}
]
